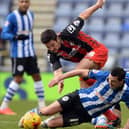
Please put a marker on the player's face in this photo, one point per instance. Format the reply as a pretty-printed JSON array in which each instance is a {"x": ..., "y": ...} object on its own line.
[
  {"x": 23, "y": 5},
  {"x": 53, "y": 46},
  {"x": 114, "y": 82}
]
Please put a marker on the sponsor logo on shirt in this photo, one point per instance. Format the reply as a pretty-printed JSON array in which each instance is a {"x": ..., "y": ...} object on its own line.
[
  {"x": 71, "y": 29},
  {"x": 76, "y": 22}
]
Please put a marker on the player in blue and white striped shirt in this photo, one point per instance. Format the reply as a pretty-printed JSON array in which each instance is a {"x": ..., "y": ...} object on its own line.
[
  {"x": 84, "y": 104},
  {"x": 18, "y": 29}
]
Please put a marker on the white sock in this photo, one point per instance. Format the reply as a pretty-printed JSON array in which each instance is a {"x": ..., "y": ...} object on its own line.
[
  {"x": 40, "y": 93},
  {"x": 12, "y": 89},
  {"x": 4, "y": 105},
  {"x": 41, "y": 103}
]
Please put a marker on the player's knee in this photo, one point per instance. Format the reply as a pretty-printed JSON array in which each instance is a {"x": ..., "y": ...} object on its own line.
[
  {"x": 45, "y": 111},
  {"x": 48, "y": 124},
  {"x": 51, "y": 123}
]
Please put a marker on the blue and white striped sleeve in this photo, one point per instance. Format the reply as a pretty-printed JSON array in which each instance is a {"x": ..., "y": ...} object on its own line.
[
  {"x": 7, "y": 30},
  {"x": 98, "y": 74}
]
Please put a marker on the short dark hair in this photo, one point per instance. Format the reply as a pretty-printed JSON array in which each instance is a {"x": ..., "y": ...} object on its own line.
[
  {"x": 48, "y": 35},
  {"x": 118, "y": 72}
]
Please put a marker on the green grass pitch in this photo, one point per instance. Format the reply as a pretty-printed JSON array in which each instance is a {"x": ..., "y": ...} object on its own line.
[
  {"x": 20, "y": 106},
  {"x": 10, "y": 122}
]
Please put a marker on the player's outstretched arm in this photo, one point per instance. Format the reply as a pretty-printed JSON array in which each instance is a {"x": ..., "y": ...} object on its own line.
[
  {"x": 57, "y": 73},
  {"x": 89, "y": 11},
  {"x": 79, "y": 72}
]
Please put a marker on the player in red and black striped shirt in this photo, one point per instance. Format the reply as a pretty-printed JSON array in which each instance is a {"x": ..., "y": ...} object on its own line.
[{"x": 76, "y": 46}]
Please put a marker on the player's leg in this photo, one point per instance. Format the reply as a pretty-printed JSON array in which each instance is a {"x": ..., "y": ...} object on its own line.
[
  {"x": 72, "y": 113},
  {"x": 101, "y": 122},
  {"x": 52, "y": 122},
  {"x": 93, "y": 60},
  {"x": 115, "y": 111},
  {"x": 51, "y": 109},
  {"x": 39, "y": 89},
  {"x": 32, "y": 69},
  {"x": 87, "y": 64},
  {"x": 17, "y": 72},
  {"x": 71, "y": 109},
  {"x": 112, "y": 118}
]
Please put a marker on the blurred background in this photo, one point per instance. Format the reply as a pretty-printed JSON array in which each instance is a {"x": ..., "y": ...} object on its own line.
[{"x": 109, "y": 25}]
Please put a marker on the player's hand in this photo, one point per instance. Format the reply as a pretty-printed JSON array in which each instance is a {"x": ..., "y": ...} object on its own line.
[
  {"x": 60, "y": 86},
  {"x": 21, "y": 37},
  {"x": 53, "y": 82},
  {"x": 56, "y": 81},
  {"x": 100, "y": 3}
]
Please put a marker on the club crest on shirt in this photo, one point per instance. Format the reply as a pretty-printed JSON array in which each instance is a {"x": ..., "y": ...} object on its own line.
[{"x": 6, "y": 23}]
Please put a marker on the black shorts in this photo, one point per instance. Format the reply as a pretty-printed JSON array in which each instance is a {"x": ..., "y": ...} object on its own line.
[
  {"x": 73, "y": 112},
  {"x": 21, "y": 65}
]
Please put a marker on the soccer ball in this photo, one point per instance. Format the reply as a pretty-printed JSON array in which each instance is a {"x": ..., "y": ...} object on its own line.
[{"x": 31, "y": 120}]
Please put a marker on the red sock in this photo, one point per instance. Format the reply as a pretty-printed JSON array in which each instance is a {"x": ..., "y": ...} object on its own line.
[
  {"x": 90, "y": 82},
  {"x": 110, "y": 115}
]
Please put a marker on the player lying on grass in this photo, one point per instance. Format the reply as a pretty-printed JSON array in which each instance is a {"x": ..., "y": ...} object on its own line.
[{"x": 84, "y": 104}]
